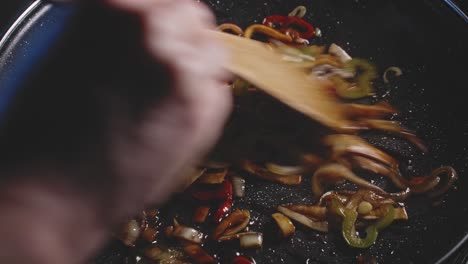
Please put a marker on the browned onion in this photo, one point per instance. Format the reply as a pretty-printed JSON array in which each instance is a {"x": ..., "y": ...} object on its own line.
[
  {"x": 394, "y": 127},
  {"x": 232, "y": 224},
  {"x": 238, "y": 186},
  {"x": 129, "y": 233},
  {"x": 254, "y": 238},
  {"x": 251, "y": 240},
  {"x": 428, "y": 184},
  {"x": 153, "y": 252},
  {"x": 379, "y": 168},
  {"x": 285, "y": 225},
  {"x": 397, "y": 71},
  {"x": 328, "y": 196},
  {"x": 335, "y": 172},
  {"x": 314, "y": 211},
  {"x": 229, "y": 27},
  {"x": 198, "y": 255},
  {"x": 349, "y": 144},
  {"x": 386, "y": 198},
  {"x": 452, "y": 177},
  {"x": 283, "y": 170},
  {"x": 339, "y": 52},
  {"x": 185, "y": 233},
  {"x": 304, "y": 220},
  {"x": 267, "y": 175},
  {"x": 400, "y": 213}
]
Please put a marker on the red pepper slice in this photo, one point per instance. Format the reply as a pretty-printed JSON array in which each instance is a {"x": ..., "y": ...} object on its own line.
[
  {"x": 242, "y": 260},
  {"x": 223, "y": 209},
  {"x": 224, "y": 193},
  {"x": 275, "y": 21},
  {"x": 282, "y": 23},
  {"x": 221, "y": 193}
]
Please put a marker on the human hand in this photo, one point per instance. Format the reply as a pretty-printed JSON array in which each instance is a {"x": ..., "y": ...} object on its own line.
[{"x": 83, "y": 160}]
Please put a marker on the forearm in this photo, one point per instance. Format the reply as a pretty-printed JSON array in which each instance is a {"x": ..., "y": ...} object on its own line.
[{"x": 48, "y": 222}]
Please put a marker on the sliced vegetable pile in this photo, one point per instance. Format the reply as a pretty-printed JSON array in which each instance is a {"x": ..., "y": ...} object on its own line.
[{"x": 336, "y": 157}]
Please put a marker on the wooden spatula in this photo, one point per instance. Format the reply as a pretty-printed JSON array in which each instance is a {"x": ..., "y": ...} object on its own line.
[{"x": 266, "y": 69}]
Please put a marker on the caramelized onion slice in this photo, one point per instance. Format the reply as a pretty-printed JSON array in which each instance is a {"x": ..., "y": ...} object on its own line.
[
  {"x": 284, "y": 170},
  {"x": 232, "y": 224},
  {"x": 335, "y": 172},
  {"x": 400, "y": 214},
  {"x": 251, "y": 240},
  {"x": 394, "y": 127},
  {"x": 129, "y": 233},
  {"x": 304, "y": 220},
  {"x": 198, "y": 255},
  {"x": 339, "y": 52},
  {"x": 229, "y": 27},
  {"x": 376, "y": 167},
  {"x": 238, "y": 186},
  {"x": 185, "y": 233},
  {"x": 285, "y": 225},
  {"x": 349, "y": 144},
  {"x": 267, "y": 175},
  {"x": 313, "y": 211}
]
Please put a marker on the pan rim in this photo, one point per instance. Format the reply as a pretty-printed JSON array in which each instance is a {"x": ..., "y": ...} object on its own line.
[{"x": 17, "y": 23}]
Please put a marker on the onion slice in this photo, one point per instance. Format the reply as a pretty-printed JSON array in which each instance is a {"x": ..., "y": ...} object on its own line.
[
  {"x": 129, "y": 233},
  {"x": 284, "y": 170},
  {"x": 198, "y": 255},
  {"x": 185, "y": 233},
  {"x": 251, "y": 240},
  {"x": 232, "y": 224},
  {"x": 394, "y": 127},
  {"x": 263, "y": 173},
  {"x": 349, "y": 144},
  {"x": 339, "y": 52},
  {"x": 376, "y": 167},
  {"x": 161, "y": 255},
  {"x": 229, "y": 27},
  {"x": 335, "y": 172},
  {"x": 314, "y": 211},
  {"x": 397, "y": 71},
  {"x": 238, "y": 186},
  {"x": 304, "y": 220},
  {"x": 285, "y": 225},
  {"x": 400, "y": 214},
  {"x": 452, "y": 177}
]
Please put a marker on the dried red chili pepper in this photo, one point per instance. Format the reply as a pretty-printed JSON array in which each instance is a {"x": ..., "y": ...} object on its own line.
[{"x": 283, "y": 23}]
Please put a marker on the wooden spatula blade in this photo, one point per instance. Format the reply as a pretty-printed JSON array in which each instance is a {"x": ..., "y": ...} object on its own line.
[{"x": 266, "y": 69}]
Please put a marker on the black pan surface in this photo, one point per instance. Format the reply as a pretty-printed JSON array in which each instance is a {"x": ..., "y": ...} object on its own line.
[{"x": 422, "y": 37}]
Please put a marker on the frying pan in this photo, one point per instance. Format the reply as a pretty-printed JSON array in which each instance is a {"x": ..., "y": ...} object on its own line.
[{"x": 56, "y": 45}]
